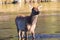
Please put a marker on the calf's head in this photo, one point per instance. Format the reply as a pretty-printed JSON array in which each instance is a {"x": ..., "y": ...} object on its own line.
[{"x": 35, "y": 11}]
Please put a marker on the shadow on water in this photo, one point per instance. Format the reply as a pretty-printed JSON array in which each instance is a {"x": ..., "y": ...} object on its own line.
[{"x": 44, "y": 37}]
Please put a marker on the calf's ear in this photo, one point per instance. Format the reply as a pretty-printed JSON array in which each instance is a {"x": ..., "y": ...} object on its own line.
[
  {"x": 30, "y": 6},
  {"x": 39, "y": 7}
]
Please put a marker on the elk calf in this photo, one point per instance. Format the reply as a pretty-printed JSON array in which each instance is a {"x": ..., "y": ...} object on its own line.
[{"x": 27, "y": 23}]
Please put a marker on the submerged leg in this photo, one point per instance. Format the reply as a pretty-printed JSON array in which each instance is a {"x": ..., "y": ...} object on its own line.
[
  {"x": 19, "y": 36},
  {"x": 22, "y": 35},
  {"x": 26, "y": 35},
  {"x": 33, "y": 34}
]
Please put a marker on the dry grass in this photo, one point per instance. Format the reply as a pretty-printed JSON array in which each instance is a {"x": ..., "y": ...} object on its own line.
[{"x": 48, "y": 6}]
